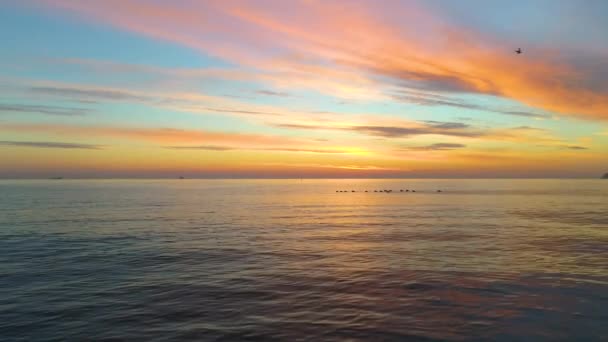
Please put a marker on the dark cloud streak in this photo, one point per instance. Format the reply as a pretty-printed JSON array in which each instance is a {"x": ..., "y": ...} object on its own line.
[
  {"x": 399, "y": 132},
  {"x": 272, "y": 93},
  {"x": 226, "y": 110},
  {"x": 104, "y": 94},
  {"x": 202, "y": 147},
  {"x": 447, "y": 125},
  {"x": 46, "y": 144},
  {"x": 119, "y": 95},
  {"x": 456, "y": 129},
  {"x": 429, "y": 99},
  {"x": 229, "y": 148},
  {"x": 44, "y": 109},
  {"x": 436, "y": 147},
  {"x": 524, "y": 114}
]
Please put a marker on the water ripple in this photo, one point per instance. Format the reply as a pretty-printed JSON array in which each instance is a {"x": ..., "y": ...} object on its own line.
[{"x": 285, "y": 261}]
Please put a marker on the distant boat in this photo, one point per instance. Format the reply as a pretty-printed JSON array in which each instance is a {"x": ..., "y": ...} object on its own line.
[
  {"x": 605, "y": 176},
  {"x": 55, "y": 177},
  {"x": 181, "y": 177}
]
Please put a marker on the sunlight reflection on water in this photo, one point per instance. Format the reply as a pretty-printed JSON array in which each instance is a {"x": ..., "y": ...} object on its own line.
[{"x": 294, "y": 260}]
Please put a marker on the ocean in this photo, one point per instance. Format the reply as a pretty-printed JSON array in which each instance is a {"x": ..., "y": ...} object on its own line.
[{"x": 294, "y": 260}]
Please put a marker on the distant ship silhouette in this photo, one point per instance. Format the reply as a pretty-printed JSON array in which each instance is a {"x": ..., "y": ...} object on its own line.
[{"x": 605, "y": 176}]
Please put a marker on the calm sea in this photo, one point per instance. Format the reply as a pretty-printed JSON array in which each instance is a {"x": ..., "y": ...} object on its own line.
[{"x": 291, "y": 260}]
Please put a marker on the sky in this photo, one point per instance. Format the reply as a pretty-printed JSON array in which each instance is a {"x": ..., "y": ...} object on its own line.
[{"x": 303, "y": 88}]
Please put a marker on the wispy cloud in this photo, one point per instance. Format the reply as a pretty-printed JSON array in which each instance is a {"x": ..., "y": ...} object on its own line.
[
  {"x": 397, "y": 132},
  {"x": 528, "y": 128},
  {"x": 202, "y": 147},
  {"x": 447, "y": 124},
  {"x": 575, "y": 147},
  {"x": 281, "y": 149},
  {"x": 402, "y": 129},
  {"x": 44, "y": 109},
  {"x": 436, "y": 147},
  {"x": 272, "y": 93},
  {"x": 239, "y": 111},
  {"x": 301, "y": 126},
  {"x": 104, "y": 94},
  {"x": 162, "y": 136},
  {"x": 379, "y": 52},
  {"x": 420, "y": 97},
  {"x": 47, "y": 144},
  {"x": 273, "y": 149},
  {"x": 180, "y": 101},
  {"x": 525, "y": 114},
  {"x": 431, "y": 99}
]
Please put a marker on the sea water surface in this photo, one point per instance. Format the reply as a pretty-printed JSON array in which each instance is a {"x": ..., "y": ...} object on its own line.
[{"x": 294, "y": 260}]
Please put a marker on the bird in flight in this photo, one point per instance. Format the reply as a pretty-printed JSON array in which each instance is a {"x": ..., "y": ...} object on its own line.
[{"x": 518, "y": 51}]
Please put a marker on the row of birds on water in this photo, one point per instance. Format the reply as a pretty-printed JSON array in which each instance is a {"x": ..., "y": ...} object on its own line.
[{"x": 387, "y": 191}]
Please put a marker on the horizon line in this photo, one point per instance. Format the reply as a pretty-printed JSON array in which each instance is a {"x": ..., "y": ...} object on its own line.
[{"x": 280, "y": 178}]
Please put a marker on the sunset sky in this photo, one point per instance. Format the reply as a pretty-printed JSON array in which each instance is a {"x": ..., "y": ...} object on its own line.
[{"x": 310, "y": 88}]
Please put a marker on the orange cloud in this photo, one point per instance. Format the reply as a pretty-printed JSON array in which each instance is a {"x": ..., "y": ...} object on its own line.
[
  {"x": 345, "y": 49},
  {"x": 165, "y": 136}
]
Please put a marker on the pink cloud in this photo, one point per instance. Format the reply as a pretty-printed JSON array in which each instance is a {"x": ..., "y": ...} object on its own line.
[{"x": 356, "y": 48}]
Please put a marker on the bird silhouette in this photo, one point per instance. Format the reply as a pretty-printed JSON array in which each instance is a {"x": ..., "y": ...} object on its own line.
[{"x": 518, "y": 51}]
